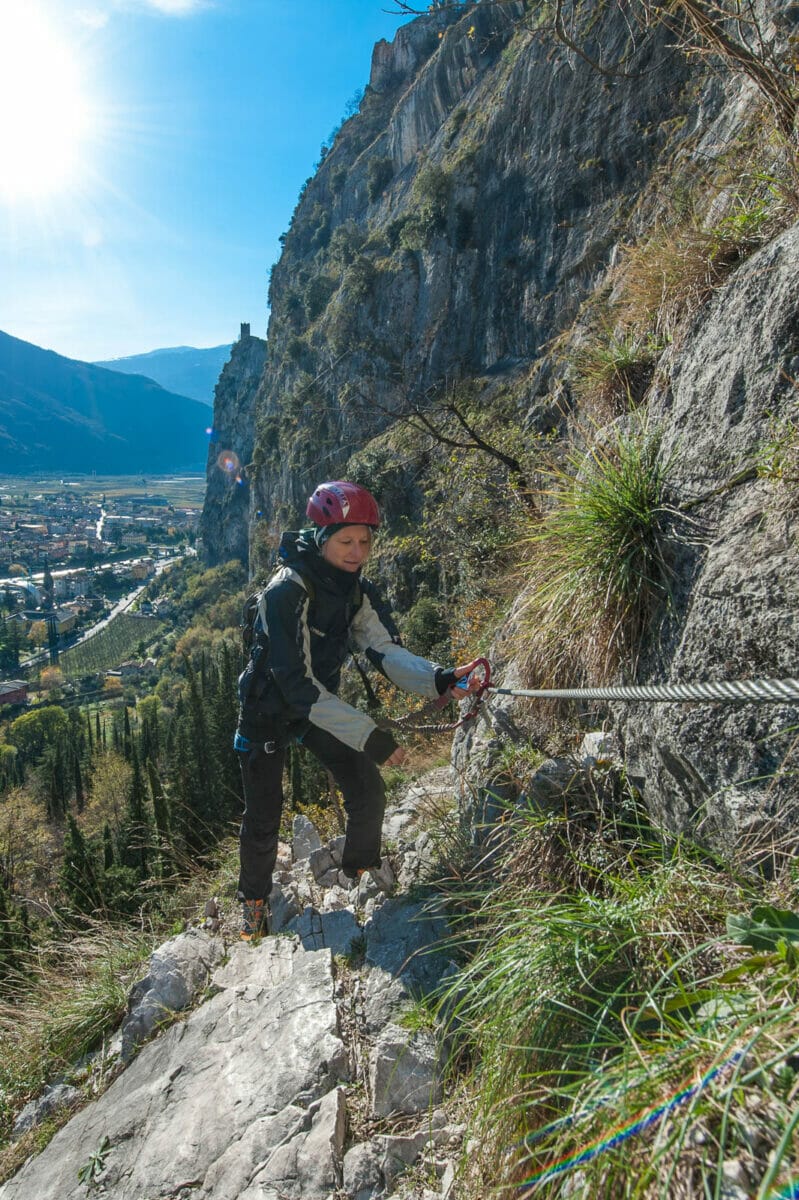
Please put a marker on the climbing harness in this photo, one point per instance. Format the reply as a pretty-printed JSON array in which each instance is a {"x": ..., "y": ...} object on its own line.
[
  {"x": 778, "y": 690},
  {"x": 408, "y": 722}
]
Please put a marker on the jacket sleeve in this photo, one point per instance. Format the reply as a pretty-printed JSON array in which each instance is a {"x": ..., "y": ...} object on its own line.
[
  {"x": 285, "y": 615},
  {"x": 374, "y": 631}
]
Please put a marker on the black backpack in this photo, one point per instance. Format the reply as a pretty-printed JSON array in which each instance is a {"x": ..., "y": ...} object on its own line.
[{"x": 255, "y": 645}]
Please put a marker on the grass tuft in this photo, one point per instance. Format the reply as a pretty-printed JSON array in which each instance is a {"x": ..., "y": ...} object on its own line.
[
  {"x": 614, "y": 370},
  {"x": 599, "y": 562}
]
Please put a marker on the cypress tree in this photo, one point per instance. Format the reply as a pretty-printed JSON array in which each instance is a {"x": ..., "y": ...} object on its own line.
[
  {"x": 135, "y": 834},
  {"x": 108, "y": 848},
  {"x": 55, "y": 768},
  {"x": 79, "y": 795},
  {"x": 163, "y": 820},
  {"x": 207, "y": 804},
  {"x": 127, "y": 737},
  {"x": 14, "y": 939},
  {"x": 89, "y": 738},
  {"x": 79, "y": 876}
]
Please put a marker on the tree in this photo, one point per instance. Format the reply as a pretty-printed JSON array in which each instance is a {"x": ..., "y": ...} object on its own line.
[
  {"x": 135, "y": 835},
  {"x": 163, "y": 822},
  {"x": 33, "y": 732},
  {"x": 79, "y": 872},
  {"x": 449, "y": 415}
]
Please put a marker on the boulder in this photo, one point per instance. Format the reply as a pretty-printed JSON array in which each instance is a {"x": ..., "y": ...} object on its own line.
[
  {"x": 404, "y": 1072},
  {"x": 305, "y": 838},
  {"x": 178, "y": 971}
]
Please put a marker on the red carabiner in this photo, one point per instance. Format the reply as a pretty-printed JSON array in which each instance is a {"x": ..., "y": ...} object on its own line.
[{"x": 481, "y": 691}]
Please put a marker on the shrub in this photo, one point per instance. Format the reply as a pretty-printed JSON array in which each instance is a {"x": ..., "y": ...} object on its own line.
[
  {"x": 316, "y": 296},
  {"x": 430, "y": 196},
  {"x": 426, "y": 629},
  {"x": 346, "y": 244},
  {"x": 359, "y": 279},
  {"x": 379, "y": 173},
  {"x": 338, "y": 177}
]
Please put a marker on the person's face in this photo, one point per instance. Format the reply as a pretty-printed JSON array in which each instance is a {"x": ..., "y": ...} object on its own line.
[{"x": 348, "y": 548}]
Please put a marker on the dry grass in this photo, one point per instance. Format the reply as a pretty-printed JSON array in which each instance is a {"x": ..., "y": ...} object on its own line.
[
  {"x": 666, "y": 278},
  {"x": 70, "y": 995},
  {"x": 613, "y": 371}
]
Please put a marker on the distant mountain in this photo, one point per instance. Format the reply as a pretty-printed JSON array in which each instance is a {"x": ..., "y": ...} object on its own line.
[
  {"x": 181, "y": 369},
  {"x": 57, "y": 414}
]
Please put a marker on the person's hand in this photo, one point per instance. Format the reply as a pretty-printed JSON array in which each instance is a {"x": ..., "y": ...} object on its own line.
[
  {"x": 397, "y": 758},
  {"x": 473, "y": 683}
]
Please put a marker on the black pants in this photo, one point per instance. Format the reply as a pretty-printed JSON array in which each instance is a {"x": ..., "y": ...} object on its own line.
[{"x": 361, "y": 786}]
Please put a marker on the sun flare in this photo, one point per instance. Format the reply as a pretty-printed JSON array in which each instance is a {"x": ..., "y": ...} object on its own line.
[{"x": 45, "y": 117}]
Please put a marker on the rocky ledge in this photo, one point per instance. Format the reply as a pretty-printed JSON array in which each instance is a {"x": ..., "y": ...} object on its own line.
[{"x": 295, "y": 1073}]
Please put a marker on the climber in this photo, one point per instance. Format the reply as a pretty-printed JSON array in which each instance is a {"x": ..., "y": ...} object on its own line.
[{"x": 310, "y": 612}]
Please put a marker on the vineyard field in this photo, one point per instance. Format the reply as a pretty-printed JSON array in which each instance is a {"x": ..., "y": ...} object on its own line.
[{"x": 110, "y": 647}]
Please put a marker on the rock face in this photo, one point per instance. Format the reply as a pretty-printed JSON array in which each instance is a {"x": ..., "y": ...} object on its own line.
[
  {"x": 454, "y": 227},
  {"x": 717, "y": 767},
  {"x": 223, "y": 524}
]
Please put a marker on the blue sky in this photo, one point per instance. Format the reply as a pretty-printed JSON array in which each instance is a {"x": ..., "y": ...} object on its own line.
[{"x": 154, "y": 151}]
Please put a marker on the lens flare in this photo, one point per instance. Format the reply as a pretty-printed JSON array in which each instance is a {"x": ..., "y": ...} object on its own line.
[{"x": 228, "y": 462}]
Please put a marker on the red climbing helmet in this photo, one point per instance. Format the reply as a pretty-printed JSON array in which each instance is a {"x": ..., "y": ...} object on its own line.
[{"x": 341, "y": 503}]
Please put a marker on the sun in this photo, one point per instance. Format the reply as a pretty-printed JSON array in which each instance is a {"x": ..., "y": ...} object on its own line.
[{"x": 45, "y": 118}]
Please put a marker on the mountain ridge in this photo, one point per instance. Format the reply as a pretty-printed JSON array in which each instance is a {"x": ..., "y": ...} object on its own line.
[
  {"x": 58, "y": 413},
  {"x": 186, "y": 370}
]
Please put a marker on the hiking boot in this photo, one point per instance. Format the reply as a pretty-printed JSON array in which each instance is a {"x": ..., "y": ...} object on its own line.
[{"x": 254, "y": 919}]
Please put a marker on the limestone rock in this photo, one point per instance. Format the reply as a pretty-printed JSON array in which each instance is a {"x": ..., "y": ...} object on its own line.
[
  {"x": 178, "y": 971},
  {"x": 362, "y": 1178},
  {"x": 401, "y": 939},
  {"x": 265, "y": 1041},
  {"x": 404, "y": 1074},
  {"x": 320, "y": 862},
  {"x": 55, "y": 1096},
  {"x": 600, "y": 749},
  {"x": 223, "y": 523},
  {"x": 284, "y": 905},
  {"x": 716, "y": 763},
  {"x": 305, "y": 838},
  {"x": 337, "y": 930},
  {"x": 307, "y": 1165}
]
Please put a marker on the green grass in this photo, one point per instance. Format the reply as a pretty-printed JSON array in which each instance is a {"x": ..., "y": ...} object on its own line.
[
  {"x": 610, "y": 1038},
  {"x": 113, "y": 645},
  {"x": 778, "y": 461},
  {"x": 599, "y": 558},
  {"x": 613, "y": 371}
]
